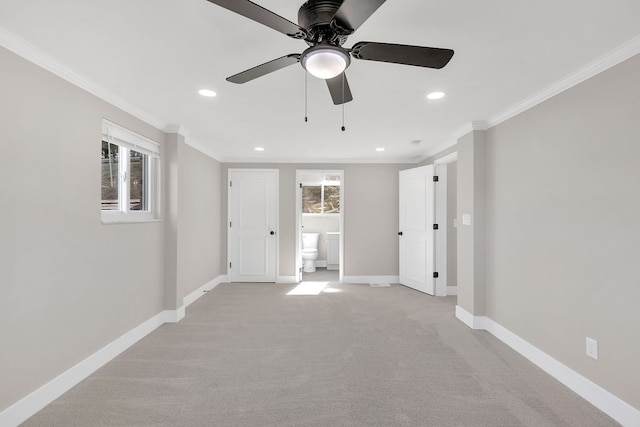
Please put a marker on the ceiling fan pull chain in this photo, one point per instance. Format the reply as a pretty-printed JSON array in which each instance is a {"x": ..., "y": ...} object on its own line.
[
  {"x": 343, "y": 128},
  {"x": 306, "y": 103}
]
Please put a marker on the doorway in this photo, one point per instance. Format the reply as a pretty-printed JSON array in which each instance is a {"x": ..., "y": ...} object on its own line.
[
  {"x": 427, "y": 235},
  {"x": 320, "y": 218}
]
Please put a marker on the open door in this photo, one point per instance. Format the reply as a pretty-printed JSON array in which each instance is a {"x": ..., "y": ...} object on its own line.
[
  {"x": 416, "y": 234},
  {"x": 253, "y": 213}
]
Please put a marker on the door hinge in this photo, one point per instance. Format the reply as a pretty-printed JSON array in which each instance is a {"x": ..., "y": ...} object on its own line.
[
  {"x": 300, "y": 185},
  {"x": 435, "y": 274},
  {"x": 229, "y": 265},
  {"x": 435, "y": 178},
  {"x": 230, "y": 183},
  {"x": 229, "y": 224},
  {"x": 435, "y": 226}
]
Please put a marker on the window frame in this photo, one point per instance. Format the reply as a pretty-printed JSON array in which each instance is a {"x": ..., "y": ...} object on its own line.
[
  {"x": 128, "y": 141},
  {"x": 321, "y": 184}
]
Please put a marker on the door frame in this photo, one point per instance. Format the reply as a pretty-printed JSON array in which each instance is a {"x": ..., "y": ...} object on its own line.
[
  {"x": 277, "y": 218},
  {"x": 440, "y": 169},
  {"x": 298, "y": 251}
]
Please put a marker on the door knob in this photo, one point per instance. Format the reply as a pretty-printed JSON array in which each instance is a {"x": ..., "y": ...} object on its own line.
[
  {"x": 272, "y": 232},
  {"x": 399, "y": 233}
]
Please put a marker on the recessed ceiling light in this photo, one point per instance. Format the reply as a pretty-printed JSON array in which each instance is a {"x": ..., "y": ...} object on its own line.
[
  {"x": 380, "y": 149},
  {"x": 259, "y": 148},
  {"x": 207, "y": 92},
  {"x": 435, "y": 95}
]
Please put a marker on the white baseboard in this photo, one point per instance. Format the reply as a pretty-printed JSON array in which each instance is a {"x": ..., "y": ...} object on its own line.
[
  {"x": 34, "y": 402},
  {"x": 370, "y": 279},
  {"x": 38, "y": 399},
  {"x": 608, "y": 403},
  {"x": 320, "y": 263},
  {"x": 286, "y": 279},
  {"x": 193, "y": 296},
  {"x": 452, "y": 290}
]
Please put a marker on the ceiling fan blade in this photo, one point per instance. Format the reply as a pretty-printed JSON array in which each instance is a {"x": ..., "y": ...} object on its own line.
[
  {"x": 263, "y": 16},
  {"x": 339, "y": 89},
  {"x": 353, "y": 13},
  {"x": 430, "y": 57},
  {"x": 266, "y": 68}
]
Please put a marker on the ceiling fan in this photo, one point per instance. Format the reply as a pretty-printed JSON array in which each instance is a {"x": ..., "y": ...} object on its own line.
[{"x": 325, "y": 26}]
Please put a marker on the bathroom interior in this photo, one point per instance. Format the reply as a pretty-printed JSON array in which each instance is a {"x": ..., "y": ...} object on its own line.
[{"x": 320, "y": 226}]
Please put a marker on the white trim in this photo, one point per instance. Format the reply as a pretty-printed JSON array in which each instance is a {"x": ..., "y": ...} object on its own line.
[
  {"x": 31, "y": 53},
  {"x": 286, "y": 280},
  {"x": 174, "y": 316},
  {"x": 610, "y": 59},
  {"x": 299, "y": 215},
  {"x": 470, "y": 127},
  {"x": 430, "y": 152},
  {"x": 452, "y": 290},
  {"x": 440, "y": 235},
  {"x": 370, "y": 279},
  {"x": 323, "y": 161},
  {"x": 602, "y": 399},
  {"x": 35, "y": 401},
  {"x": 445, "y": 160},
  {"x": 195, "y": 295},
  {"x": 474, "y": 322}
]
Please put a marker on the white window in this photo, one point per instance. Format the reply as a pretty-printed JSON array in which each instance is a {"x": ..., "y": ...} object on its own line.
[
  {"x": 321, "y": 198},
  {"x": 130, "y": 167}
]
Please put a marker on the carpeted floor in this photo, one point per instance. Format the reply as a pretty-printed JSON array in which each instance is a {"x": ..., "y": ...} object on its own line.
[{"x": 249, "y": 355}]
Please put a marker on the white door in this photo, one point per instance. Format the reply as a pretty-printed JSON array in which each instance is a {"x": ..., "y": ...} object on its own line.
[
  {"x": 416, "y": 233},
  {"x": 253, "y": 209}
]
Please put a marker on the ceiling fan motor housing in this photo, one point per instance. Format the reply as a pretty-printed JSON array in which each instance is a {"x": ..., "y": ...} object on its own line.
[{"x": 318, "y": 18}]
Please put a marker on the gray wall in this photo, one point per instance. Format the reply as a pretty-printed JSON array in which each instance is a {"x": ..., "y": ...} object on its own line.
[
  {"x": 563, "y": 258},
  {"x": 199, "y": 226},
  {"x": 69, "y": 284},
  {"x": 370, "y": 215},
  {"x": 452, "y": 232}
]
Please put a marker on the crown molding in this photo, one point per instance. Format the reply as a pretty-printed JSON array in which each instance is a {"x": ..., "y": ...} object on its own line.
[
  {"x": 31, "y": 53},
  {"x": 203, "y": 148},
  {"x": 180, "y": 130},
  {"x": 436, "y": 150},
  {"x": 323, "y": 161},
  {"x": 610, "y": 59},
  {"x": 470, "y": 127}
]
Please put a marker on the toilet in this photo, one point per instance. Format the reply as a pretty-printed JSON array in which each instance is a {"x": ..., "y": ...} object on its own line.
[{"x": 309, "y": 251}]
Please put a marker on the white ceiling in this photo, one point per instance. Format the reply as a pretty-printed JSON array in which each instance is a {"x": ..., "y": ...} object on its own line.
[{"x": 154, "y": 55}]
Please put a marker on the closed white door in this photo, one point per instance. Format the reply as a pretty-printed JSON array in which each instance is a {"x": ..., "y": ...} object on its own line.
[
  {"x": 253, "y": 210},
  {"x": 416, "y": 235}
]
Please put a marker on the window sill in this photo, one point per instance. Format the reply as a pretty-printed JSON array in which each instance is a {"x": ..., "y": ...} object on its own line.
[
  {"x": 128, "y": 218},
  {"x": 317, "y": 215}
]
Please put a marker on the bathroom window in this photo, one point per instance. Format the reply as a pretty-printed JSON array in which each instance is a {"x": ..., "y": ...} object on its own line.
[
  {"x": 130, "y": 169},
  {"x": 320, "y": 199}
]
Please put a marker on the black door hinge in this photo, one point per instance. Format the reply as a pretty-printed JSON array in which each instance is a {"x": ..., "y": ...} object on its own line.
[
  {"x": 300, "y": 185},
  {"x": 435, "y": 226},
  {"x": 435, "y": 274},
  {"x": 230, "y": 184},
  {"x": 435, "y": 178}
]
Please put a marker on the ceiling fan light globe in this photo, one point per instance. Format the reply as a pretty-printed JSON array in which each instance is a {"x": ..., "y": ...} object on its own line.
[{"x": 325, "y": 63}]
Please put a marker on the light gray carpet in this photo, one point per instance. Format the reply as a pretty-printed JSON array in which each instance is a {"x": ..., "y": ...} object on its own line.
[
  {"x": 248, "y": 355},
  {"x": 321, "y": 274}
]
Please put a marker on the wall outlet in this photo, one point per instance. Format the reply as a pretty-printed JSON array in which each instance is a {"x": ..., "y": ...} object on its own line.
[{"x": 592, "y": 348}]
